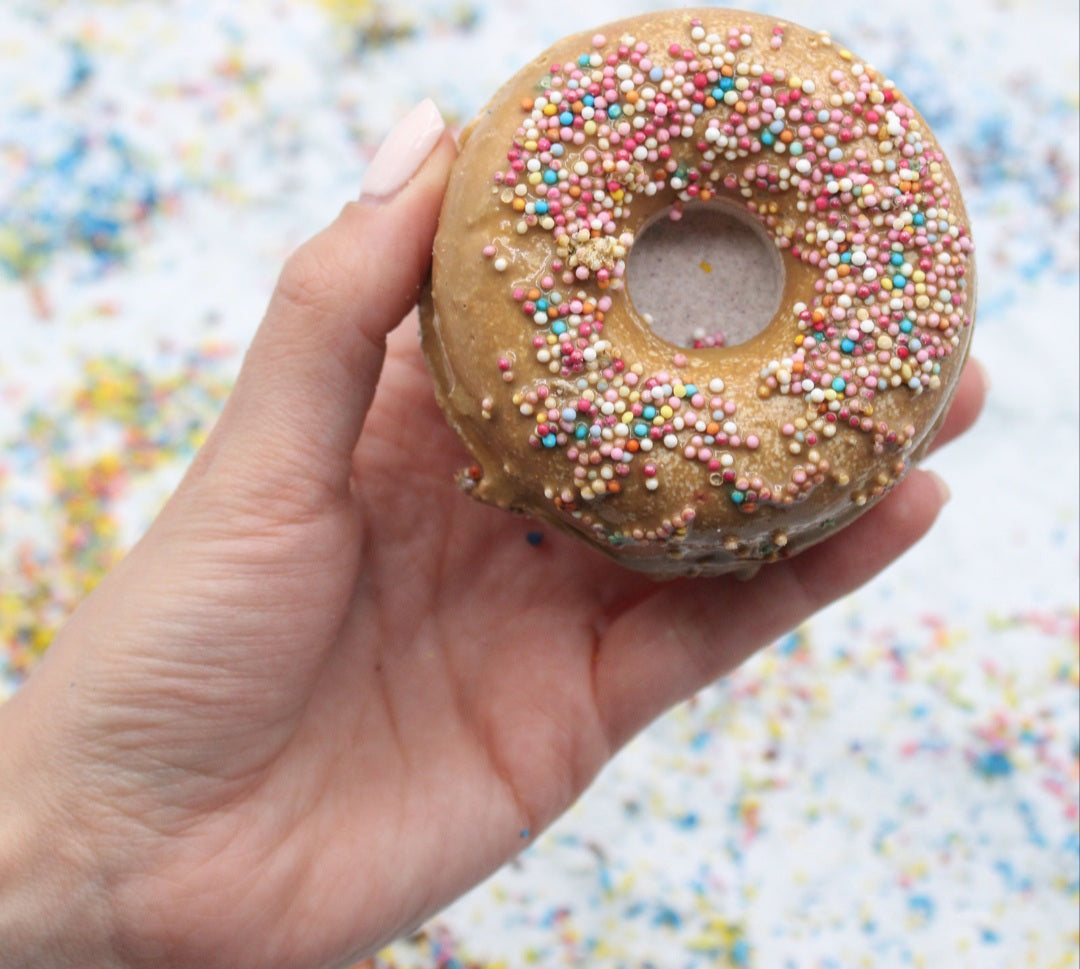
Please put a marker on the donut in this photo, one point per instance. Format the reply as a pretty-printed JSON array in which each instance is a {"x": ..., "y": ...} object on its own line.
[{"x": 699, "y": 456}]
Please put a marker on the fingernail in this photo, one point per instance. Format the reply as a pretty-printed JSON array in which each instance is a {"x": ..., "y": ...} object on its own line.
[{"x": 403, "y": 152}]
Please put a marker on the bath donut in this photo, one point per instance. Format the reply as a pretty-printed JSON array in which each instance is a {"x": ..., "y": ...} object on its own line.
[{"x": 700, "y": 458}]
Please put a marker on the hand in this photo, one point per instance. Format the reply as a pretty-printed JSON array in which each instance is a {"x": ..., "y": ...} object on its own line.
[{"x": 327, "y": 693}]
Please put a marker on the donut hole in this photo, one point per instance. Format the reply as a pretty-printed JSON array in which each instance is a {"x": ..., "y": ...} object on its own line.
[{"x": 710, "y": 276}]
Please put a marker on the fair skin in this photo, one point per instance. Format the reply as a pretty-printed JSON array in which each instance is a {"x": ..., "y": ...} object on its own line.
[{"x": 326, "y": 693}]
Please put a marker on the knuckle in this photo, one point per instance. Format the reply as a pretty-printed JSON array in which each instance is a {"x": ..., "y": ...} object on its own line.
[{"x": 307, "y": 279}]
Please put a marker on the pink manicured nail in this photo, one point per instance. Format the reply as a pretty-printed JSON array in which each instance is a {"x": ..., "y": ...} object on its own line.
[{"x": 404, "y": 150}]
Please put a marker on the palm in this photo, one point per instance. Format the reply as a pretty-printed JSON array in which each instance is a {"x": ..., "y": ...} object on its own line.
[{"x": 452, "y": 689}]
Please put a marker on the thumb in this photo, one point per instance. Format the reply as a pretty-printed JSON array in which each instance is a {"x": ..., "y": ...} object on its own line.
[{"x": 309, "y": 376}]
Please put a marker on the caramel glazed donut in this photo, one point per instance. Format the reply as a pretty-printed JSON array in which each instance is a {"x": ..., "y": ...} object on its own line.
[{"x": 708, "y": 459}]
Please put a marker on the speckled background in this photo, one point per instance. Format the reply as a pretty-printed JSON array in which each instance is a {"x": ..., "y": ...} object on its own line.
[{"x": 894, "y": 783}]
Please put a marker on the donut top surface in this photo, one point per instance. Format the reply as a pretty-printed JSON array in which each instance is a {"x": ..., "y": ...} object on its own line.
[{"x": 700, "y": 458}]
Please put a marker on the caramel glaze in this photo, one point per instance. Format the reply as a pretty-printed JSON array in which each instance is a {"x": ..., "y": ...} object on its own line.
[{"x": 673, "y": 514}]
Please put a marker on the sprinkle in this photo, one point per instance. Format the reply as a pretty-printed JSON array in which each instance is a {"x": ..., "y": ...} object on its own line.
[{"x": 724, "y": 112}]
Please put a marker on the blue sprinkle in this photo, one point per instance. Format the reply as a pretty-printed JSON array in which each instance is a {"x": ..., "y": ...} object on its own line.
[
  {"x": 614, "y": 111},
  {"x": 551, "y": 177},
  {"x": 641, "y": 429},
  {"x": 667, "y": 917},
  {"x": 656, "y": 74},
  {"x": 847, "y": 346},
  {"x": 922, "y": 905},
  {"x": 566, "y": 118},
  {"x": 541, "y": 208},
  {"x": 897, "y": 259},
  {"x": 648, "y": 412},
  {"x": 789, "y": 645},
  {"x": 994, "y": 763},
  {"x": 549, "y": 440},
  {"x": 839, "y": 384},
  {"x": 82, "y": 68},
  {"x": 899, "y": 281}
]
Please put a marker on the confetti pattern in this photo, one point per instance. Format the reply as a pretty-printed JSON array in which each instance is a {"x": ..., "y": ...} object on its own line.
[{"x": 895, "y": 783}]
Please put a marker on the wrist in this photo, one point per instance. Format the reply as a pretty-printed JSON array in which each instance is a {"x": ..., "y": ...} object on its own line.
[{"x": 54, "y": 903}]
